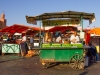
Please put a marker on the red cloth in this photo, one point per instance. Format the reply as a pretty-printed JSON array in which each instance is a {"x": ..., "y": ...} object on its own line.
[
  {"x": 23, "y": 34},
  {"x": 87, "y": 38}
]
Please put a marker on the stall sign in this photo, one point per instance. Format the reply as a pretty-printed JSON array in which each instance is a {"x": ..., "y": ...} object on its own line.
[
  {"x": 36, "y": 44},
  {"x": 31, "y": 20},
  {"x": 97, "y": 47},
  {"x": 79, "y": 28},
  {"x": 60, "y": 22},
  {"x": 82, "y": 35}
]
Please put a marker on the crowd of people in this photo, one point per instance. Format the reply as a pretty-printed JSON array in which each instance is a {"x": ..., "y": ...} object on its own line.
[{"x": 73, "y": 38}]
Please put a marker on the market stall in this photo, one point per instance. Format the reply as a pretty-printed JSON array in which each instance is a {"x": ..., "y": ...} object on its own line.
[
  {"x": 95, "y": 38},
  {"x": 53, "y": 52},
  {"x": 10, "y": 48},
  {"x": 12, "y": 42}
]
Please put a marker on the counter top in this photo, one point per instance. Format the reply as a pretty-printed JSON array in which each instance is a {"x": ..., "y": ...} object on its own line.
[
  {"x": 9, "y": 43},
  {"x": 55, "y": 48}
]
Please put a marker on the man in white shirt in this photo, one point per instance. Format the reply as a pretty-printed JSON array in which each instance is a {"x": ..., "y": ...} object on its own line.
[
  {"x": 31, "y": 39},
  {"x": 74, "y": 38},
  {"x": 31, "y": 42},
  {"x": 24, "y": 38},
  {"x": 24, "y": 46},
  {"x": 58, "y": 39}
]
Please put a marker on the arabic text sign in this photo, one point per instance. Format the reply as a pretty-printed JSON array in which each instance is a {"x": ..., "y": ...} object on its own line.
[{"x": 60, "y": 22}]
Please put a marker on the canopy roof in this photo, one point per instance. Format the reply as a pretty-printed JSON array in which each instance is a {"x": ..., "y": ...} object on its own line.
[
  {"x": 95, "y": 31},
  {"x": 62, "y": 28},
  {"x": 18, "y": 29},
  {"x": 2, "y": 33},
  {"x": 65, "y": 14}
]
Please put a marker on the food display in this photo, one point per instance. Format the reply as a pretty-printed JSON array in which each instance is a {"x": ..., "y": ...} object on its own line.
[
  {"x": 56, "y": 45},
  {"x": 62, "y": 46},
  {"x": 66, "y": 45},
  {"x": 46, "y": 45},
  {"x": 78, "y": 45}
]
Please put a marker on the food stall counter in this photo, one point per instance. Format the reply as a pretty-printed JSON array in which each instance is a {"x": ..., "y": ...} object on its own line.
[{"x": 10, "y": 48}]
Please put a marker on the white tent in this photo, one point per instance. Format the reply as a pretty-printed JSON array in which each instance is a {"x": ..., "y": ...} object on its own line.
[{"x": 17, "y": 34}]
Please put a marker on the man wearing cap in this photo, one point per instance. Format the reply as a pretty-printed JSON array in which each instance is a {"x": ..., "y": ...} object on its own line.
[{"x": 74, "y": 38}]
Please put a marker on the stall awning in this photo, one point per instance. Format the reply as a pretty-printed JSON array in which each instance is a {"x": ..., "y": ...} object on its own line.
[
  {"x": 65, "y": 14},
  {"x": 2, "y": 33},
  {"x": 62, "y": 28},
  {"x": 18, "y": 29},
  {"x": 95, "y": 31}
]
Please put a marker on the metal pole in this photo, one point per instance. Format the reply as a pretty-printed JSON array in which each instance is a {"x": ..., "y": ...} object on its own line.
[
  {"x": 82, "y": 23},
  {"x": 40, "y": 34}
]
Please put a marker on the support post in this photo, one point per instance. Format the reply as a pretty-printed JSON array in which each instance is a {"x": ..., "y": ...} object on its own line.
[
  {"x": 40, "y": 34},
  {"x": 81, "y": 22}
]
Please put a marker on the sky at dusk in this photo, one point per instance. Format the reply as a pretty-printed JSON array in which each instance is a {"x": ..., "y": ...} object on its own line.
[{"x": 16, "y": 10}]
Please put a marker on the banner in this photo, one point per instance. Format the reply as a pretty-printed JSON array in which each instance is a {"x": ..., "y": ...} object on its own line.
[
  {"x": 91, "y": 20},
  {"x": 60, "y": 22},
  {"x": 31, "y": 20}
]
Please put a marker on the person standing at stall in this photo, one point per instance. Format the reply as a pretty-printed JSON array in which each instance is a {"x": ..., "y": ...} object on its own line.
[
  {"x": 93, "y": 52},
  {"x": 10, "y": 39},
  {"x": 31, "y": 42},
  {"x": 74, "y": 38},
  {"x": 1, "y": 39},
  {"x": 58, "y": 39},
  {"x": 24, "y": 47}
]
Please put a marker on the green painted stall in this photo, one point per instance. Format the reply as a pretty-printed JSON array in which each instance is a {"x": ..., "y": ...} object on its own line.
[
  {"x": 72, "y": 53},
  {"x": 59, "y": 54},
  {"x": 69, "y": 53},
  {"x": 10, "y": 48}
]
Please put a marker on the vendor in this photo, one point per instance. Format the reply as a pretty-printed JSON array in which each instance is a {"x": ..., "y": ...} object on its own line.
[
  {"x": 24, "y": 46},
  {"x": 74, "y": 38},
  {"x": 10, "y": 38},
  {"x": 31, "y": 41},
  {"x": 1, "y": 39},
  {"x": 58, "y": 39}
]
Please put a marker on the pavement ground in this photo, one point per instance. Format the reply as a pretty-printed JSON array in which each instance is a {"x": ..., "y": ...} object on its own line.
[{"x": 13, "y": 65}]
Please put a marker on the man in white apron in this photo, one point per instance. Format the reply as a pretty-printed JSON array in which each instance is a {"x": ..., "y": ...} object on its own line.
[{"x": 74, "y": 38}]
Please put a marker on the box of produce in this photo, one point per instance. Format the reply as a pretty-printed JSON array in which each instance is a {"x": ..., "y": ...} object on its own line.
[
  {"x": 77, "y": 45},
  {"x": 66, "y": 45},
  {"x": 56, "y": 45},
  {"x": 46, "y": 45}
]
